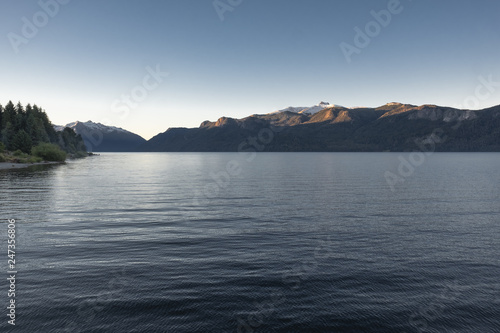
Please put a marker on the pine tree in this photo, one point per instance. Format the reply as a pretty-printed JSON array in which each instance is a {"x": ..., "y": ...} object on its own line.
[
  {"x": 22, "y": 141},
  {"x": 9, "y": 115},
  {"x": 7, "y": 135}
]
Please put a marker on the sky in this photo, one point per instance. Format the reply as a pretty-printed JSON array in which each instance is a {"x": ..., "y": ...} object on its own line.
[{"x": 150, "y": 65}]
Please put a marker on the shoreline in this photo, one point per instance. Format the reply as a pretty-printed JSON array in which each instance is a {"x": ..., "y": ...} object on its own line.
[{"x": 12, "y": 166}]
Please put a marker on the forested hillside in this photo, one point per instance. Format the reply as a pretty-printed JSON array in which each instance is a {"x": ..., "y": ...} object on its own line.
[{"x": 23, "y": 128}]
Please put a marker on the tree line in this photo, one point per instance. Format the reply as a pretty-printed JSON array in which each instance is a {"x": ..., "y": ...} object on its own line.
[{"x": 22, "y": 128}]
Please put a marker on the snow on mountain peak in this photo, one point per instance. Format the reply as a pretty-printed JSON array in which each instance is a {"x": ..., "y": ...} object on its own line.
[
  {"x": 92, "y": 126},
  {"x": 100, "y": 127},
  {"x": 309, "y": 110}
]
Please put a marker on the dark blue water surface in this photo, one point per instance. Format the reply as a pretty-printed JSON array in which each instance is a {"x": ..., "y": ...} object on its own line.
[{"x": 264, "y": 243}]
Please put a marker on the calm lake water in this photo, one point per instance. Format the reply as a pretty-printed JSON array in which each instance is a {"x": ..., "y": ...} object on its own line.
[{"x": 264, "y": 243}]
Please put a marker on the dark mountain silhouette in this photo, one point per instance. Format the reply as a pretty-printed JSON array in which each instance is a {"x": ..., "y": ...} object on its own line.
[
  {"x": 102, "y": 138},
  {"x": 391, "y": 127}
]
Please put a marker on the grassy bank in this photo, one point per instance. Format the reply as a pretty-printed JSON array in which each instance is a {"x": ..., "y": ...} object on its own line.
[{"x": 44, "y": 152}]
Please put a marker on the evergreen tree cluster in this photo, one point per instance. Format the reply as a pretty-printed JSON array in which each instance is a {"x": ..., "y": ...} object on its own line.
[{"x": 22, "y": 128}]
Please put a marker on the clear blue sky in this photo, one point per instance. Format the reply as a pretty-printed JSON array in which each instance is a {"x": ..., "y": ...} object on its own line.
[{"x": 265, "y": 55}]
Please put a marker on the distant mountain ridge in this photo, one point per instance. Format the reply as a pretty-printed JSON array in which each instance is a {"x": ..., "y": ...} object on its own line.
[
  {"x": 103, "y": 138},
  {"x": 391, "y": 127},
  {"x": 308, "y": 110}
]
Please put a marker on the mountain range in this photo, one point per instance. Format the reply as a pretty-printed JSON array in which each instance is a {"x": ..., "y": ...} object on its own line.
[
  {"x": 391, "y": 127},
  {"x": 321, "y": 128},
  {"x": 307, "y": 110},
  {"x": 102, "y": 138}
]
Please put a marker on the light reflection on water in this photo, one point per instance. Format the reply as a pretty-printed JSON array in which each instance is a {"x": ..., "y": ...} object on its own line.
[{"x": 143, "y": 242}]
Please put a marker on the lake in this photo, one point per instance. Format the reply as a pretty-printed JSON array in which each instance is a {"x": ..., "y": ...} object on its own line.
[{"x": 271, "y": 242}]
